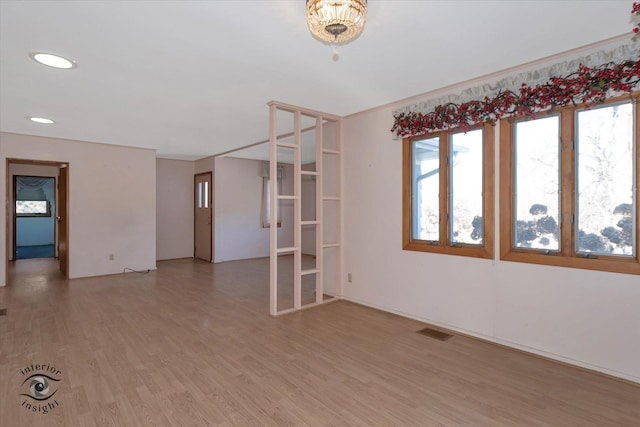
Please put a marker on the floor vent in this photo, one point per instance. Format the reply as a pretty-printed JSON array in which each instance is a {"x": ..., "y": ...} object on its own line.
[
  {"x": 3, "y": 311},
  {"x": 432, "y": 333}
]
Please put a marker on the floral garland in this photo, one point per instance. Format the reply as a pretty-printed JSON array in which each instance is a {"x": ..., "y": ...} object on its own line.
[{"x": 586, "y": 86}]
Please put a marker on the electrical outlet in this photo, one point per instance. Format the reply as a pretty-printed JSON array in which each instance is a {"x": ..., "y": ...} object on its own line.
[
  {"x": 349, "y": 277},
  {"x": 111, "y": 257}
]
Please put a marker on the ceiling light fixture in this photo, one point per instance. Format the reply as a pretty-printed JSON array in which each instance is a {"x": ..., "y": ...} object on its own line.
[
  {"x": 41, "y": 120},
  {"x": 335, "y": 21},
  {"x": 52, "y": 60}
]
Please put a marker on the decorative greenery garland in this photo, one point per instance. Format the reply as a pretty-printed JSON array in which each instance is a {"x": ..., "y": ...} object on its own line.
[{"x": 586, "y": 86}]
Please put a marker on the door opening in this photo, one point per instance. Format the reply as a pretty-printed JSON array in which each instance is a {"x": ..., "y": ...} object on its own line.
[
  {"x": 34, "y": 222},
  {"x": 36, "y": 203}
]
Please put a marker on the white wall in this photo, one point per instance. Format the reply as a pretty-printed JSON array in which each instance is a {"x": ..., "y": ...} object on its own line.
[
  {"x": 112, "y": 202},
  {"x": 587, "y": 318},
  {"x": 238, "y": 197},
  {"x": 174, "y": 209}
]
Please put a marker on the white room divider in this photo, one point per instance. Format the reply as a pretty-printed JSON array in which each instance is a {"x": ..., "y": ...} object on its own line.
[{"x": 286, "y": 141}]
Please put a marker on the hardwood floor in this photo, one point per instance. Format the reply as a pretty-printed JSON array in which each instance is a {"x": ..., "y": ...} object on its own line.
[{"x": 192, "y": 344}]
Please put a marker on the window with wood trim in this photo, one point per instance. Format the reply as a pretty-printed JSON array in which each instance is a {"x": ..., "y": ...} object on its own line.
[
  {"x": 448, "y": 192},
  {"x": 568, "y": 187}
]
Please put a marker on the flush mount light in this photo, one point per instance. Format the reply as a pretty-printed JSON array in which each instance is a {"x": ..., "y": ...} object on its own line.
[
  {"x": 41, "y": 120},
  {"x": 336, "y": 21},
  {"x": 52, "y": 60}
]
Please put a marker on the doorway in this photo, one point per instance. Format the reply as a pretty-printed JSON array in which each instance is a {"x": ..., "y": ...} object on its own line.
[
  {"x": 34, "y": 222},
  {"x": 203, "y": 216},
  {"x": 38, "y": 201}
]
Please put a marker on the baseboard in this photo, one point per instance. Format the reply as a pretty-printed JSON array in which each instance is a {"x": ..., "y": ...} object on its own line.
[
  {"x": 112, "y": 274},
  {"x": 219, "y": 261},
  {"x": 594, "y": 369}
]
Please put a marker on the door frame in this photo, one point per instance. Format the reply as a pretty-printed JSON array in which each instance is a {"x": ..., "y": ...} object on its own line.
[
  {"x": 10, "y": 214},
  {"x": 195, "y": 197}
]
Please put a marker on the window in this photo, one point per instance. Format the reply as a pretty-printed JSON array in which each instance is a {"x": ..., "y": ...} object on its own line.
[
  {"x": 448, "y": 192},
  {"x": 266, "y": 202},
  {"x": 203, "y": 195},
  {"x": 33, "y": 195},
  {"x": 568, "y": 188},
  {"x": 33, "y": 208}
]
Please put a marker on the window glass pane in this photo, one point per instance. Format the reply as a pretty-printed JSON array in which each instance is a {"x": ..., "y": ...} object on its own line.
[
  {"x": 605, "y": 207},
  {"x": 206, "y": 194},
  {"x": 200, "y": 194},
  {"x": 426, "y": 189},
  {"x": 32, "y": 207},
  {"x": 536, "y": 186},
  {"x": 267, "y": 201},
  {"x": 466, "y": 160}
]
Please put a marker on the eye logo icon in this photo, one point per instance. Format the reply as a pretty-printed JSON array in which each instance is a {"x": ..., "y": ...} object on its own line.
[
  {"x": 39, "y": 385},
  {"x": 39, "y": 388}
]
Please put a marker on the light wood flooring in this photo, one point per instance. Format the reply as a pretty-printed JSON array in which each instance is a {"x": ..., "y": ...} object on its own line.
[{"x": 192, "y": 344}]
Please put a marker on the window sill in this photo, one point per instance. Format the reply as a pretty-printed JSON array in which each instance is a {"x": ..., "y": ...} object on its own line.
[
  {"x": 462, "y": 250},
  {"x": 602, "y": 263}
]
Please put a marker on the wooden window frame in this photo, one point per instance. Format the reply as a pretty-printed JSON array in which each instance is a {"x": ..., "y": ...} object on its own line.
[
  {"x": 567, "y": 256},
  {"x": 443, "y": 246}
]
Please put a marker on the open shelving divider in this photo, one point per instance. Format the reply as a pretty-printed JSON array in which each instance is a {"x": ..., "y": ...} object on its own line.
[{"x": 321, "y": 119}]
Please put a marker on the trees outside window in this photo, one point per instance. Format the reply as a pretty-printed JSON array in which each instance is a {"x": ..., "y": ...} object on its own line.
[
  {"x": 568, "y": 183},
  {"x": 448, "y": 192}
]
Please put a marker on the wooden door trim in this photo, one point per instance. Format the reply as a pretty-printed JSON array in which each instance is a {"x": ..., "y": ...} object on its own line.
[
  {"x": 67, "y": 205},
  {"x": 210, "y": 197},
  {"x": 10, "y": 210},
  {"x": 12, "y": 204}
]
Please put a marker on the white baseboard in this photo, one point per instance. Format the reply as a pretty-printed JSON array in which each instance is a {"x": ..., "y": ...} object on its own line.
[{"x": 524, "y": 348}]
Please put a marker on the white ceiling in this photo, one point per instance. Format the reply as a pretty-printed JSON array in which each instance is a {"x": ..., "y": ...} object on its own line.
[
  {"x": 192, "y": 78},
  {"x": 284, "y": 155}
]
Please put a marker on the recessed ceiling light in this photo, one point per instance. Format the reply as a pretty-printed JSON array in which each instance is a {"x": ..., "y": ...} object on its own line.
[
  {"x": 52, "y": 60},
  {"x": 41, "y": 120}
]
